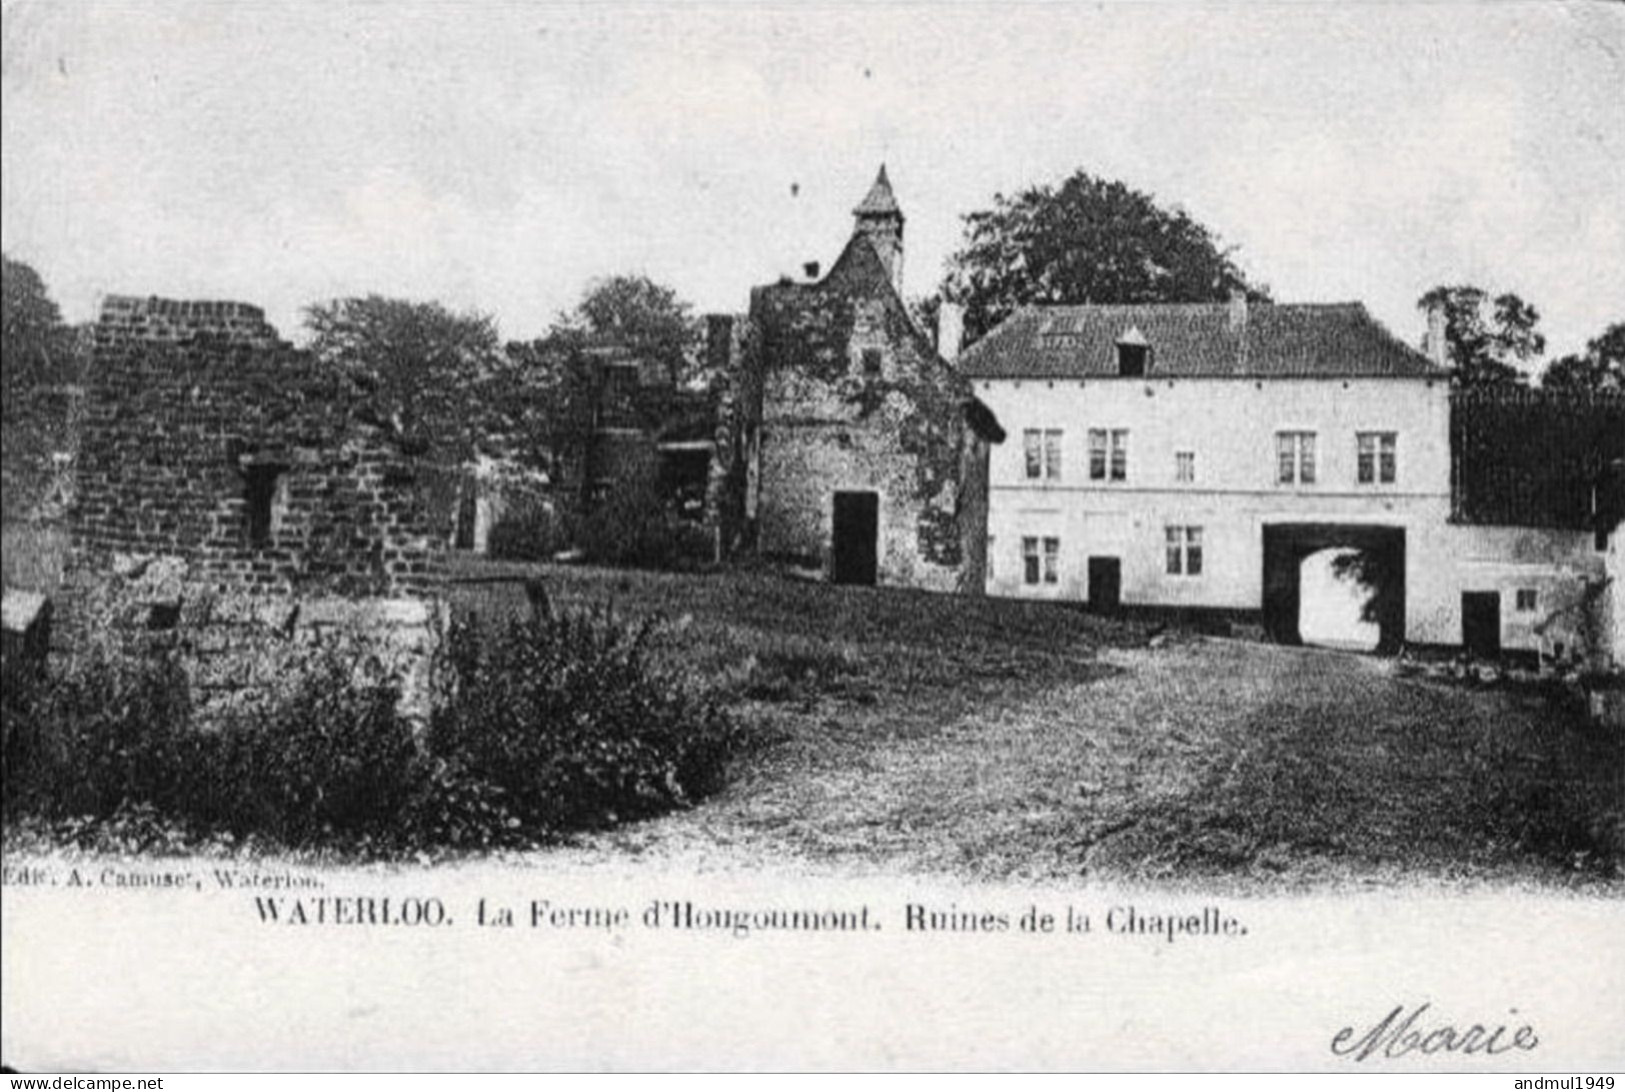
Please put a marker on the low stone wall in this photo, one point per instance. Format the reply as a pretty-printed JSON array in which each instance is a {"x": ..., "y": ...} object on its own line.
[{"x": 244, "y": 650}]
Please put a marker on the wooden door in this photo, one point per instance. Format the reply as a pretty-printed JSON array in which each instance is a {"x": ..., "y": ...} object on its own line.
[
  {"x": 1481, "y": 623},
  {"x": 856, "y": 540},
  {"x": 1105, "y": 583}
]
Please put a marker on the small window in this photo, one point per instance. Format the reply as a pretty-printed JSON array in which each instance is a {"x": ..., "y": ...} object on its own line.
[
  {"x": 1184, "y": 466},
  {"x": 871, "y": 361},
  {"x": 1132, "y": 359},
  {"x": 264, "y": 495},
  {"x": 1108, "y": 454},
  {"x": 1528, "y": 600},
  {"x": 988, "y": 561},
  {"x": 1184, "y": 551},
  {"x": 1040, "y": 560},
  {"x": 1376, "y": 457},
  {"x": 1042, "y": 451},
  {"x": 1295, "y": 458}
]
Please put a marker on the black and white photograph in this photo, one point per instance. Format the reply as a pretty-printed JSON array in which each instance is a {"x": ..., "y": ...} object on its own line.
[{"x": 696, "y": 536}]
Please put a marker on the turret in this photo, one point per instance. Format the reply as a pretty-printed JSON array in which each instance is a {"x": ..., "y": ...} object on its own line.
[{"x": 880, "y": 220}]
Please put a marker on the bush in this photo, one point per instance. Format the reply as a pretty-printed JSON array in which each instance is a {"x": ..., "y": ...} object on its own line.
[
  {"x": 112, "y": 731},
  {"x": 553, "y": 724},
  {"x": 569, "y": 719},
  {"x": 632, "y": 526},
  {"x": 529, "y": 530}
]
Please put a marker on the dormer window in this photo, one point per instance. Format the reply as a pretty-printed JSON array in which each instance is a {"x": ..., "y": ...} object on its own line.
[{"x": 1133, "y": 353}]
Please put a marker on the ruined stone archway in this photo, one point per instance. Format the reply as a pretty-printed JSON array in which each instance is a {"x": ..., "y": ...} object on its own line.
[{"x": 1286, "y": 545}]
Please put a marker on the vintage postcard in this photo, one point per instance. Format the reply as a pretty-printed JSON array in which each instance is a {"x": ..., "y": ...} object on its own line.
[{"x": 844, "y": 536}]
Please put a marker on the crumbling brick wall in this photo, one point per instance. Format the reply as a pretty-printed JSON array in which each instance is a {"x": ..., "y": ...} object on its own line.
[{"x": 229, "y": 494}]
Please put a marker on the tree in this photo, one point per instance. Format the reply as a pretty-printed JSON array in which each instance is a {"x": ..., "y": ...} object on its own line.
[
  {"x": 1486, "y": 341},
  {"x": 562, "y": 381},
  {"x": 431, "y": 376},
  {"x": 647, "y": 318},
  {"x": 1600, "y": 368},
  {"x": 38, "y": 357},
  {"x": 1088, "y": 241},
  {"x": 36, "y": 345}
]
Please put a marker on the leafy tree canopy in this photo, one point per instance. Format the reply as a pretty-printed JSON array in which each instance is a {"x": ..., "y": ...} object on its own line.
[
  {"x": 1600, "y": 368},
  {"x": 1486, "y": 341},
  {"x": 38, "y": 354},
  {"x": 649, "y": 319},
  {"x": 434, "y": 377},
  {"x": 1087, "y": 241},
  {"x": 35, "y": 343}
]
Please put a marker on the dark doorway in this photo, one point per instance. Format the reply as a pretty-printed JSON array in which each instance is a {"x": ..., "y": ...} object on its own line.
[
  {"x": 1481, "y": 622},
  {"x": 1105, "y": 583},
  {"x": 1287, "y": 544},
  {"x": 857, "y": 529}
]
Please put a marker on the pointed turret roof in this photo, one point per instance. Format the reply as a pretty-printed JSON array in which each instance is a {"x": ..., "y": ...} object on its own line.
[{"x": 880, "y": 201}]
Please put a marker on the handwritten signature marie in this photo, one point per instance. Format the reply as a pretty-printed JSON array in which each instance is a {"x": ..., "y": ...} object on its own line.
[{"x": 1401, "y": 1032}]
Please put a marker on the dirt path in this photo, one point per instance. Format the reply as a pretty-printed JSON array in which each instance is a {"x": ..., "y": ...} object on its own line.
[
  {"x": 1212, "y": 761},
  {"x": 1010, "y": 788}
]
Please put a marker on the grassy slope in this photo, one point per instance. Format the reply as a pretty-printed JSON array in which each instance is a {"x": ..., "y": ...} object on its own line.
[{"x": 1001, "y": 739}]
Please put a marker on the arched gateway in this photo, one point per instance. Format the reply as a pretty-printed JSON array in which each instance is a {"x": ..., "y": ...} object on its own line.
[{"x": 1286, "y": 545}]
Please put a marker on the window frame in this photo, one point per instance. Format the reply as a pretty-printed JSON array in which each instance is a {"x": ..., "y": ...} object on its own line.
[
  {"x": 1041, "y": 454},
  {"x": 1526, "y": 600},
  {"x": 1185, "y": 466},
  {"x": 1297, "y": 459},
  {"x": 1040, "y": 560},
  {"x": 1184, "y": 550},
  {"x": 1108, "y": 454},
  {"x": 1376, "y": 457}
]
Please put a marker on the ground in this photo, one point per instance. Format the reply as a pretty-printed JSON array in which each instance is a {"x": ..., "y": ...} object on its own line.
[{"x": 908, "y": 733}]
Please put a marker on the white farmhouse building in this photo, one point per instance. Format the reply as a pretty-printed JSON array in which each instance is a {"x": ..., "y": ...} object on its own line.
[{"x": 1192, "y": 456}]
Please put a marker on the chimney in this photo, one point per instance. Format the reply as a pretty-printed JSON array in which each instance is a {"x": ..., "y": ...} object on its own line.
[
  {"x": 1238, "y": 310},
  {"x": 1434, "y": 344},
  {"x": 950, "y": 330}
]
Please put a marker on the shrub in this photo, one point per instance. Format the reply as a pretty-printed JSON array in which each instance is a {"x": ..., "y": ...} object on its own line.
[
  {"x": 111, "y": 731},
  {"x": 568, "y": 717},
  {"x": 530, "y": 530},
  {"x": 555, "y": 723},
  {"x": 632, "y": 526}
]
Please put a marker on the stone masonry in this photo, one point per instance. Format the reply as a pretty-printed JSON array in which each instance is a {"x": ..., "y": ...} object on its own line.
[
  {"x": 834, "y": 389},
  {"x": 233, "y": 503}
]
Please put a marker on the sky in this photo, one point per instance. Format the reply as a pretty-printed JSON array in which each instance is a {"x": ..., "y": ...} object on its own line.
[{"x": 499, "y": 156}]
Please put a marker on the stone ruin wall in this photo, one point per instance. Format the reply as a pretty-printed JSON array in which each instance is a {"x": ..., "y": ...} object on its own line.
[
  {"x": 797, "y": 373},
  {"x": 230, "y": 505}
]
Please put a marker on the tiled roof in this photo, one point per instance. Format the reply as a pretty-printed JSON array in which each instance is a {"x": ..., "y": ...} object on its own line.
[
  {"x": 880, "y": 200},
  {"x": 1195, "y": 340}
]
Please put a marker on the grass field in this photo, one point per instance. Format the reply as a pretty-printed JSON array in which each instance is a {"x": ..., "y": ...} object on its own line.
[{"x": 991, "y": 739}]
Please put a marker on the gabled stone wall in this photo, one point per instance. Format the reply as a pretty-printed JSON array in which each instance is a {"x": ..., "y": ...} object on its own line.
[{"x": 832, "y": 389}]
